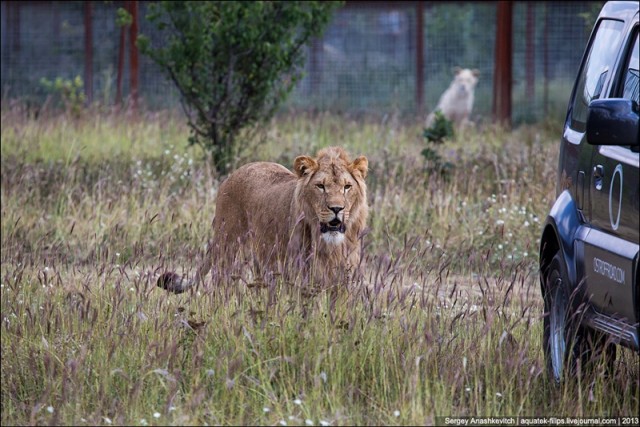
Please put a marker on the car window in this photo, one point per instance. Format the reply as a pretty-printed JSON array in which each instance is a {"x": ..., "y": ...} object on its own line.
[
  {"x": 631, "y": 78},
  {"x": 595, "y": 70}
]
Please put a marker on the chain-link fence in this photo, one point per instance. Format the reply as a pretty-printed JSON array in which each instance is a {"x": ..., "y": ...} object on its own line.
[{"x": 366, "y": 60}]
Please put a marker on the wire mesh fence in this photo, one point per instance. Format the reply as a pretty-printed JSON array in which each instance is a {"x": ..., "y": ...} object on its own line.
[{"x": 365, "y": 61}]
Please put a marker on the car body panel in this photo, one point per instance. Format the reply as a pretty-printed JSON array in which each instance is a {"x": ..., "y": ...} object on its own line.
[{"x": 594, "y": 220}]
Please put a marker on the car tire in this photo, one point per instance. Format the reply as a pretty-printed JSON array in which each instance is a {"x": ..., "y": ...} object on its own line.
[{"x": 565, "y": 341}]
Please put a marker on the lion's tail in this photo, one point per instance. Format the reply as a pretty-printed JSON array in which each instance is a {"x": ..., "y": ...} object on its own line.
[{"x": 175, "y": 283}]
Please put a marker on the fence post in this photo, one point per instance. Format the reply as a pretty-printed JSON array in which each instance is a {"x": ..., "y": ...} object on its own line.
[
  {"x": 88, "y": 52},
  {"x": 13, "y": 27},
  {"x": 120, "y": 67},
  {"x": 545, "y": 60},
  {"x": 502, "y": 77},
  {"x": 133, "y": 53},
  {"x": 530, "y": 54},
  {"x": 420, "y": 58}
]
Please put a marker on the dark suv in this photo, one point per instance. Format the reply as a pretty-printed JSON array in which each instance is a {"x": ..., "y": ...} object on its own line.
[{"x": 589, "y": 245}]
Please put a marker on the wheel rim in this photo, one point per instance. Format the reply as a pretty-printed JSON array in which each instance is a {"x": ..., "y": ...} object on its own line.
[{"x": 557, "y": 324}]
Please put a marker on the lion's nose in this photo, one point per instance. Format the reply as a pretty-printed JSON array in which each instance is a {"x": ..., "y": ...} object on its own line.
[{"x": 336, "y": 209}]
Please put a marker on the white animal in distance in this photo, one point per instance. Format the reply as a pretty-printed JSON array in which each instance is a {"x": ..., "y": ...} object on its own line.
[{"x": 456, "y": 102}]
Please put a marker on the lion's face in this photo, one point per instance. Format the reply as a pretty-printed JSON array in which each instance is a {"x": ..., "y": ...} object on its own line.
[
  {"x": 465, "y": 81},
  {"x": 333, "y": 192}
]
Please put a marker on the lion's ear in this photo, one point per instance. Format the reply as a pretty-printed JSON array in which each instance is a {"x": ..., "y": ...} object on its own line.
[
  {"x": 303, "y": 165},
  {"x": 361, "y": 164}
]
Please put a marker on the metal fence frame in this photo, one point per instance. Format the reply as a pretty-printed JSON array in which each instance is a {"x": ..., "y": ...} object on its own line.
[{"x": 520, "y": 48}]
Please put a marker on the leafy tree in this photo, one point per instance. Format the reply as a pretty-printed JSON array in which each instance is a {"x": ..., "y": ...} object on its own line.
[{"x": 233, "y": 62}]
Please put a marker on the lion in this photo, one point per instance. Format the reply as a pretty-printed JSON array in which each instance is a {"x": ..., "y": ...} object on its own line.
[
  {"x": 311, "y": 219},
  {"x": 457, "y": 101}
]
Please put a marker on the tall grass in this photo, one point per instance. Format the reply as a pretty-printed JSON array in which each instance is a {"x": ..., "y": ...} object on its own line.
[{"x": 446, "y": 323}]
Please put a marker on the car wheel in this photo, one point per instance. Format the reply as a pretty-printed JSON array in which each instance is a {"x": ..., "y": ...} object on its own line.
[
  {"x": 565, "y": 341},
  {"x": 556, "y": 320}
]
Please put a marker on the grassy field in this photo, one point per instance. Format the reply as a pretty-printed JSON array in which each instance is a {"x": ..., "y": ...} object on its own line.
[{"x": 447, "y": 321}]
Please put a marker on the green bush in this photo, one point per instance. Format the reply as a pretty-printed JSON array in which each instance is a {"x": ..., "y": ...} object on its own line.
[
  {"x": 70, "y": 93},
  {"x": 440, "y": 131},
  {"x": 233, "y": 62}
]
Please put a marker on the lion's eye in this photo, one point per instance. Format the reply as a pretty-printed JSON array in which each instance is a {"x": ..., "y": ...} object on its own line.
[
  {"x": 347, "y": 187},
  {"x": 320, "y": 186}
]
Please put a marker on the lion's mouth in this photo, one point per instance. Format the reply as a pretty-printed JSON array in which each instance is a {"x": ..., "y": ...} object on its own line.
[{"x": 333, "y": 225}]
